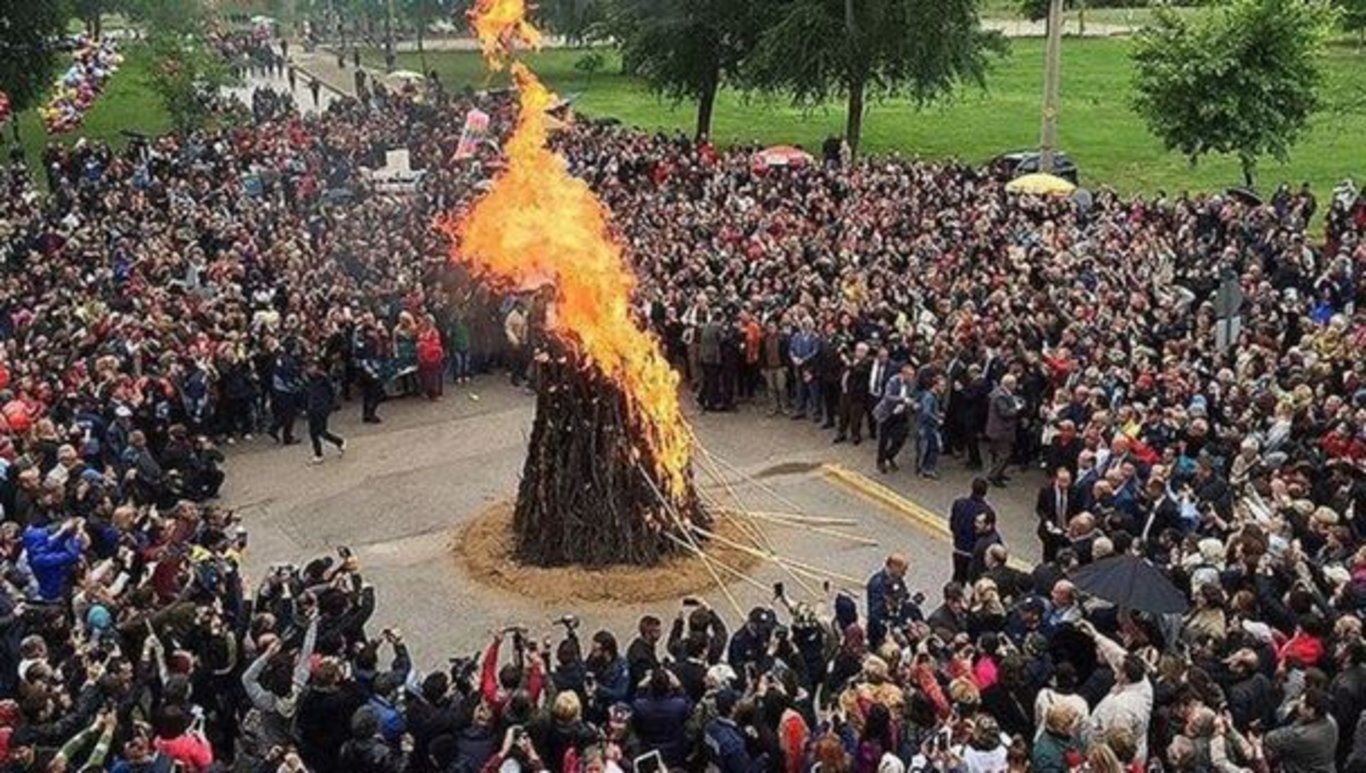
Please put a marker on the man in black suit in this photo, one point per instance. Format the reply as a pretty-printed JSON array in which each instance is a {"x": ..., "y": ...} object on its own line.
[
  {"x": 1055, "y": 507},
  {"x": 880, "y": 371},
  {"x": 854, "y": 395}
]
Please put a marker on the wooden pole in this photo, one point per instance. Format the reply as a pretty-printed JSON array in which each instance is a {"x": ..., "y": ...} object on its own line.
[{"x": 1052, "y": 77}]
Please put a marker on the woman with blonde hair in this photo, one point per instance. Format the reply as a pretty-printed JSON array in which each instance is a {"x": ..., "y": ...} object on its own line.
[
  {"x": 1056, "y": 742},
  {"x": 1102, "y": 759}
]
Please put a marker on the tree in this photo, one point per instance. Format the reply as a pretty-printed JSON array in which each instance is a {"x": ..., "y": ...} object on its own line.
[
  {"x": 28, "y": 58},
  {"x": 579, "y": 21},
  {"x": 818, "y": 49},
  {"x": 1353, "y": 16},
  {"x": 1037, "y": 10},
  {"x": 91, "y": 13},
  {"x": 421, "y": 13},
  {"x": 170, "y": 17},
  {"x": 1242, "y": 80},
  {"x": 185, "y": 75},
  {"x": 686, "y": 49}
]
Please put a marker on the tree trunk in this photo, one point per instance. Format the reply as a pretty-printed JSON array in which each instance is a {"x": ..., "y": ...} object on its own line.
[
  {"x": 1081, "y": 21},
  {"x": 858, "y": 82},
  {"x": 589, "y": 495},
  {"x": 1249, "y": 164},
  {"x": 853, "y": 122},
  {"x": 421, "y": 33},
  {"x": 706, "y": 103}
]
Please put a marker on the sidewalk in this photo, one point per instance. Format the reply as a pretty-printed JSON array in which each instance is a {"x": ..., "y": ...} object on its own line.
[{"x": 334, "y": 83}]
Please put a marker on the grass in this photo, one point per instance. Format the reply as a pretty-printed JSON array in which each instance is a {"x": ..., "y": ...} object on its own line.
[
  {"x": 1097, "y": 127},
  {"x": 127, "y": 103}
]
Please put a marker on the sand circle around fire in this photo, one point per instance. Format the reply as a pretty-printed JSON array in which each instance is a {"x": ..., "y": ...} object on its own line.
[{"x": 483, "y": 548}]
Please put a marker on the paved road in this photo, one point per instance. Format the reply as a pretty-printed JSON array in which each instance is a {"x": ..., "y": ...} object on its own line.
[{"x": 404, "y": 487}]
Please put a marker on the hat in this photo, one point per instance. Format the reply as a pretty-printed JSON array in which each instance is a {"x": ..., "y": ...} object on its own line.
[
  {"x": 123, "y": 412},
  {"x": 762, "y": 617},
  {"x": 98, "y": 619}
]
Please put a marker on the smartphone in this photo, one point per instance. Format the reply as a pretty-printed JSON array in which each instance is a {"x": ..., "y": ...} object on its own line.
[
  {"x": 778, "y": 590},
  {"x": 689, "y": 601},
  {"x": 652, "y": 762}
]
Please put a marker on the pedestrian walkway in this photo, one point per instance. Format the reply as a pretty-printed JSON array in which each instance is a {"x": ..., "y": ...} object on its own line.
[{"x": 333, "y": 83}]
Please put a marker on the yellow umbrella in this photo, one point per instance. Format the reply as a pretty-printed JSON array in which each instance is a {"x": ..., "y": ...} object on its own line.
[{"x": 1040, "y": 184}]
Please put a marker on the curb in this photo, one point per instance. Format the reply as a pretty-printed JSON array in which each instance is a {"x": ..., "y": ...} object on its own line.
[{"x": 883, "y": 495}]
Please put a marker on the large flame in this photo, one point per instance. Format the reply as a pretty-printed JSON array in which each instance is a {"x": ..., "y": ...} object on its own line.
[{"x": 539, "y": 225}]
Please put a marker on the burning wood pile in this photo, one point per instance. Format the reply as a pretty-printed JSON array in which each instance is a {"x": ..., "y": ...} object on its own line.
[{"x": 608, "y": 478}]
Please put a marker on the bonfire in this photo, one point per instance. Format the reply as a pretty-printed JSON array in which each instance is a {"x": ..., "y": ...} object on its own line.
[{"x": 608, "y": 476}]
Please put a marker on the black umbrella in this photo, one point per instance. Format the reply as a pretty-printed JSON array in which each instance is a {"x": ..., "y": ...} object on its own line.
[
  {"x": 1245, "y": 195},
  {"x": 1130, "y": 582}
]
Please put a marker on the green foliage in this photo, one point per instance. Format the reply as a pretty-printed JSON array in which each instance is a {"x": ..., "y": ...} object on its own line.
[
  {"x": 685, "y": 49},
  {"x": 1243, "y": 80},
  {"x": 1352, "y": 14},
  {"x": 167, "y": 16},
  {"x": 579, "y": 21},
  {"x": 590, "y": 63},
  {"x": 28, "y": 57},
  {"x": 818, "y": 49},
  {"x": 184, "y": 75},
  {"x": 1034, "y": 10},
  {"x": 1102, "y": 133}
]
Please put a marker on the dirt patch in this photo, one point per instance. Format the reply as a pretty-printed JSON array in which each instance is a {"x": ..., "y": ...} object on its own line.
[{"x": 483, "y": 548}]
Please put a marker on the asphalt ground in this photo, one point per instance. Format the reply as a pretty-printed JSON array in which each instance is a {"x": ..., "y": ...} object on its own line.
[{"x": 399, "y": 495}]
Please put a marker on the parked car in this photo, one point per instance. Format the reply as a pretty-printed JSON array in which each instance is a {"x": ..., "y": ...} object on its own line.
[{"x": 1023, "y": 162}]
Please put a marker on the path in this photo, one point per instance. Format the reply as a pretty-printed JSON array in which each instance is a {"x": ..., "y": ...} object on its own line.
[{"x": 328, "y": 90}]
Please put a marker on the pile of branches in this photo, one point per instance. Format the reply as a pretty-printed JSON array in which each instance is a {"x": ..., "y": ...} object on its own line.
[{"x": 589, "y": 494}]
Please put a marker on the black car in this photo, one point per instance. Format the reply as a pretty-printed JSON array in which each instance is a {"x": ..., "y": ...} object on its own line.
[{"x": 1024, "y": 162}]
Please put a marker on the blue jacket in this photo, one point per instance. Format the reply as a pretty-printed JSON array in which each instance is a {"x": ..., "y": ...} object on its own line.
[
  {"x": 962, "y": 522},
  {"x": 51, "y": 557},
  {"x": 614, "y": 683},
  {"x": 659, "y": 725},
  {"x": 930, "y": 417},
  {"x": 804, "y": 346},
  {"x": 392, "y": 725},
  {"x": 727, "y": 747}
]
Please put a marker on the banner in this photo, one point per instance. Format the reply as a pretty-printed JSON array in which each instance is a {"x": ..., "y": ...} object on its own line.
[{"x": 476, "y": 127}]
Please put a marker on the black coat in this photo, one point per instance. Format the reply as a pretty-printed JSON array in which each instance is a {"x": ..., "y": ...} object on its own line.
[{"x": 324, "y": 724}]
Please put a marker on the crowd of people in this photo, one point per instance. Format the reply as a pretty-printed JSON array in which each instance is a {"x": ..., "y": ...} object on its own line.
[{"x": 197, "y": 291}]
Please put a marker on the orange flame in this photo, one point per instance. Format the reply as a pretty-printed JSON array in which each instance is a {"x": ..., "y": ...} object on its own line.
[{"x": 539, "y": 225}]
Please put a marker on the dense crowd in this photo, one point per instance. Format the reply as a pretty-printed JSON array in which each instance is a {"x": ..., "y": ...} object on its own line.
[{"x": 200, "y": 290}]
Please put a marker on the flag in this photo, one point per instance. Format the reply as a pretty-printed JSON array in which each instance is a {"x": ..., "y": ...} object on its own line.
[{"x": 476, "y": 127}]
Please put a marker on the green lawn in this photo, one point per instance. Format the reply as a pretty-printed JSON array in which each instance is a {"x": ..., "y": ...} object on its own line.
[
  {"x": 126, "y": 103},
  {"x": 1097, "y": 128}
]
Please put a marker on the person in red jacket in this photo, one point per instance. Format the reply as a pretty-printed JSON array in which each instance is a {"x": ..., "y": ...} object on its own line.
[
  {"x": 431, "y": 358},
  {"x": 497, "y": 685}
]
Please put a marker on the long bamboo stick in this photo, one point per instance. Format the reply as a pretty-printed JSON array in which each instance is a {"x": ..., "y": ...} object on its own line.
[
  {"x": 814, "y": 529},
  {"x": 774, "y": 557}
]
